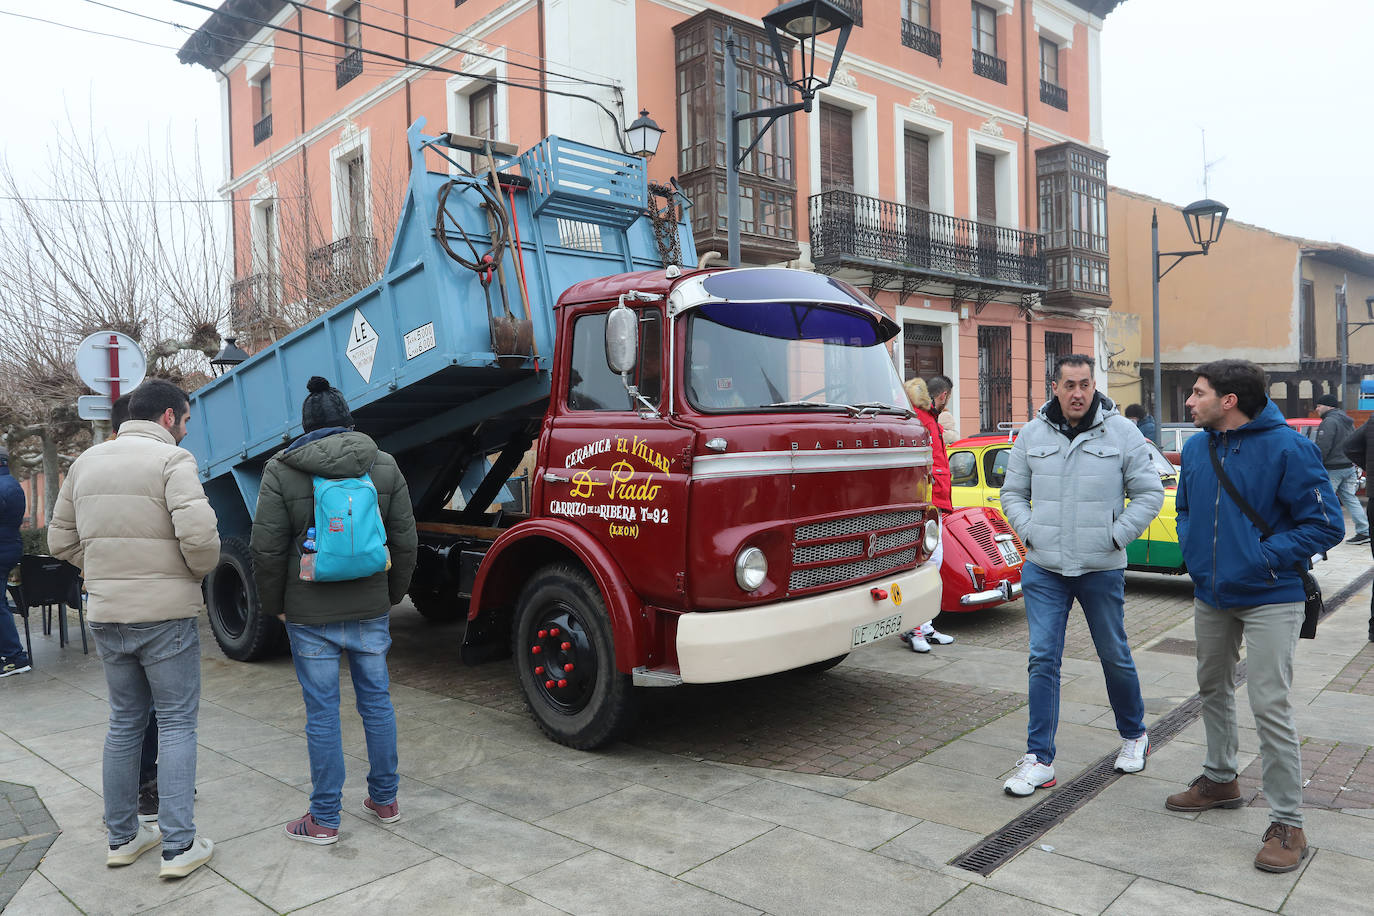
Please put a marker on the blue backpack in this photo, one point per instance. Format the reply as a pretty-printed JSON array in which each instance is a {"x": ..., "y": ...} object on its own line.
[{"x": 350, "y": 538}]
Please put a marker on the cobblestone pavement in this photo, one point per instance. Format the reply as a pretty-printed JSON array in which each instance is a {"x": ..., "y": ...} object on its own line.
[
  {"x": 1335, "y": 776},
  {"x": 1358, "y": 675},
  {"x": 26, "y": 832}
]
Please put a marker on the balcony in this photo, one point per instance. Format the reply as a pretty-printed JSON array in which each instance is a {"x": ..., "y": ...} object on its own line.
[
  {"x": 854, "y": 8},
  {"x": 262, "y": 129},
  {"x": 253, "y": 300},
  {"x": 989, "y": 67},
  {"x": 925, "y": 40},
  {"x": 336, "y": 271},
  {"x": 1054, "y": 96},
  {"x": 866, "y": 233},
  {"x": 348, "y": 66}
]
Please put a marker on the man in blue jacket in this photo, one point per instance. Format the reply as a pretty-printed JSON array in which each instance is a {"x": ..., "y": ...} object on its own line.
[
  {"x": 13, "y": 658},
  {"x": 1249, "y": 585}
]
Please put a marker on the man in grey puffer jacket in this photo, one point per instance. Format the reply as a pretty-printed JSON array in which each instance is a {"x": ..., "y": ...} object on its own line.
[{"x": 1070, "y": 473}]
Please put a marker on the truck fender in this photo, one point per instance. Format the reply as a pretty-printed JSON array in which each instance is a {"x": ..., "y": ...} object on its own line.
[{"x": 518, "y": 551}]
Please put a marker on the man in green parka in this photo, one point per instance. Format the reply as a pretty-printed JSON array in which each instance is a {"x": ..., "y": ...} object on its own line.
[{"x": 328, "y": 619}]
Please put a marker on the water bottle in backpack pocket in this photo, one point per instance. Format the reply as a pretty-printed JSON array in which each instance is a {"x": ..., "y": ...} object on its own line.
[{"x": 349, "y": 536}]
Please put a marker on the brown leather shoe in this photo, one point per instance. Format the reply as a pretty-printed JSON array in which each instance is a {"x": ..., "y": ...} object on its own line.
[
  {"x": 1203, "y": 794},
  {"x": 1284, "y": 848}
]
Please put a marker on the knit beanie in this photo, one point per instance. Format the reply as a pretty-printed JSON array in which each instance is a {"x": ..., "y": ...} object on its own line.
[
  {"x": 1328, "y": 400},
  {"x": 324, "y": 406}
]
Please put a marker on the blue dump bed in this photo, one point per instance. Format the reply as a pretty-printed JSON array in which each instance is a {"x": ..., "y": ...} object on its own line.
[{"x": 413, "y": 353}]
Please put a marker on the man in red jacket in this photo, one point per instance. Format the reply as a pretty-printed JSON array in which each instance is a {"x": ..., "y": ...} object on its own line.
[{"x": 928, "y": 398}]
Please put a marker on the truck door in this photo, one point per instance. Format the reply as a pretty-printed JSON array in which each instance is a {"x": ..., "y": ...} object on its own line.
[{"x": 613, "y": 468}]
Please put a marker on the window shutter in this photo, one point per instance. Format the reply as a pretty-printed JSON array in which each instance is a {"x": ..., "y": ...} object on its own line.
[
  {"x": 837, "y": 149},
  {"x": 917, "y": 170},
  {"x": 986, "y": 165}
]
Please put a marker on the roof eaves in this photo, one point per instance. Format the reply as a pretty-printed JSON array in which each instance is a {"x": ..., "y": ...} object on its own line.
[{"x": 226, "y": 31}]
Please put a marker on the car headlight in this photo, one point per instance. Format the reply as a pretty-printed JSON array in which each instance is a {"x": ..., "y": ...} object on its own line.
[
  {"x": 931, "y": 538},
  {"x": 751, "y": 568}
]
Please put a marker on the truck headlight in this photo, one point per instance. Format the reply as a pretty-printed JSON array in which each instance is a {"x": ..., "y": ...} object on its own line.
[
  {"x": 931, "y": 538},
  {"x": 751, "y": 568}
]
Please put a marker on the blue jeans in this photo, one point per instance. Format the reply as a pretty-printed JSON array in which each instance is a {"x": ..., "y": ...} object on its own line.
[
  {"x": 1102, "y": 595},
  {"x": 1345, "y": 481},
  {"x": 10, "y": 646},
  {"x": 316, "y": 651},
  {"x": 151, "y": 666}
]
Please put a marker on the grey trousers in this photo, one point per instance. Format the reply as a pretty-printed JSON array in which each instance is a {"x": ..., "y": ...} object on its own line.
[{"x": 1271, "y": 639}]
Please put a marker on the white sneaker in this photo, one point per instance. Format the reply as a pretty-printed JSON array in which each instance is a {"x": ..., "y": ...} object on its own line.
[
  {"x": 1133, "y": 754},
  {"x": 917, "y": 642},
  {"x": 147, "y": 837},
  {"x": 1030, "y": 775},
  {"x": 182, "y": 865},
  {"x": 933, "y": 635}
]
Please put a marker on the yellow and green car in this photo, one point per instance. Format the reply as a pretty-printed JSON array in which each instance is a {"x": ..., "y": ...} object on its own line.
[{"x": 978, "y": 465}]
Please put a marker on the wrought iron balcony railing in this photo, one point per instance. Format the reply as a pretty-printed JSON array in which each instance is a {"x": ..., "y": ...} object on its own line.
[
  {"x": 348, "y": 66},
  {"x": 925, "y": 40},
  {"x": 1054, "y": 96},
  {"x": 262, "y": 130},
  {"x": 993, "y": 68},
  {"x": 851, "y": 229},
  {"x": 854, "y": 8},
  {"x": 254, "y": 299},
  {"x": 339, "y": 269}
]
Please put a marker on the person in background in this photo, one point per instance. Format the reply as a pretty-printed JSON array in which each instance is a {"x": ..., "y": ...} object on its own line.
[
  {"x": 328, "y": 620},
  {"x": 1359, "y": 448},
  {"x": 1333, "y": 432},
  {"x": 1080, "y": 486},
  {"x": 13, "y": 658},
  {"x": 1144, "y": 422},
  {"x": 133, "y": 517},
  {"x": 927, "y": 400},
  {"x": 1247, "y": 585}
]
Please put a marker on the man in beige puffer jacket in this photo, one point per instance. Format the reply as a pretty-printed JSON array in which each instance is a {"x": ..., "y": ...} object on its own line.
[{"x": 132, "y": 515}]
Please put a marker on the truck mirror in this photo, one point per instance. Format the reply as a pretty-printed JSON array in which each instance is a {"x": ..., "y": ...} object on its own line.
[{"x": 622, "y": 339}]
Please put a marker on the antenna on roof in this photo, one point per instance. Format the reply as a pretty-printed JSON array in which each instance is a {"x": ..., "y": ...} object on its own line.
[{"x": 1206, "y": 165}]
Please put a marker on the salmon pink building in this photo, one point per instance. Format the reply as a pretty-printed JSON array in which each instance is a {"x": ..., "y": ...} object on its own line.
[{"x": 954, "y": 170}]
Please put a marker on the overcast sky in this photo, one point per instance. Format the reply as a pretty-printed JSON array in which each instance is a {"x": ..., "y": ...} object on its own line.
[{"x": 1282, "y": 89}]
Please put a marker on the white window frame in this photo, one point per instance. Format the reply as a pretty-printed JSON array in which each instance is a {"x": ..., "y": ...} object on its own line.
[
  {"x": 458, "y": 91},
  {"x": 262, "y": 260},
  {"x": 1053, "y": 24},
  {"x": 948, "y": 322},
  {"x": 351, "y": 142},
  {"x": 1005, "y": 176},
  {"x": 864, "y": 107},
  {"x": 940, "y": 133}
]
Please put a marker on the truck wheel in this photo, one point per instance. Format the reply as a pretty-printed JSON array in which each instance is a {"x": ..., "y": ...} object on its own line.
[
  {"x": 818, "y": 667},
  {"x": 565, "y": 660},
  {"x": 231, "y": 595},
  {"x": 437, "y": 607}
]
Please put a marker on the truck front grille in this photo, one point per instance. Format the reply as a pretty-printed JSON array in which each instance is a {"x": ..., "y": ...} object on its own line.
[{"x": 852, "y": 549}]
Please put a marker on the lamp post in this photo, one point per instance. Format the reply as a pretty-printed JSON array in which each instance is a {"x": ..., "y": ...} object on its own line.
[
  {"x": 228, "y": 357},
  {"x": 803, "y": 20},
  {"x": 644, "y": 135},
  {"x": 1204, "y": 219}
]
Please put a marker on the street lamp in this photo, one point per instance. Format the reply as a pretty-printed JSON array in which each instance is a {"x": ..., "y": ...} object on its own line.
[
  {"x": 644, "y": 135},
  {"x": 805, "y": 21},
  {"x": 228, "y": 357},
  {"x": 1204, "y": 219}
]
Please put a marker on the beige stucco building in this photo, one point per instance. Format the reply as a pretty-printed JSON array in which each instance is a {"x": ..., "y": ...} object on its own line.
[{"x": 1257, "y": 295}]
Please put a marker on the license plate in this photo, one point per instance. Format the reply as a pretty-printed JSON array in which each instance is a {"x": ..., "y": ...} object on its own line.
[
  {"x": 1010, "y": 554},
  {"x": 866, "y": 633}
]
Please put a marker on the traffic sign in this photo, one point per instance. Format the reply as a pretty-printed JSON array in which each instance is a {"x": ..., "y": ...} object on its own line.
[
  {"x": 111, "y": 363},
  {"x": 93, "y": 407}
]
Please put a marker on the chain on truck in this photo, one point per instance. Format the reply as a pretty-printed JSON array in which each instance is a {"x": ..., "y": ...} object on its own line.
[{"x": 723, "y": 477}]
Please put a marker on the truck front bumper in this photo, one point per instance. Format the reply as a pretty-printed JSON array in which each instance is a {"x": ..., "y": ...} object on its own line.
[{"x": 715, "y": 646}]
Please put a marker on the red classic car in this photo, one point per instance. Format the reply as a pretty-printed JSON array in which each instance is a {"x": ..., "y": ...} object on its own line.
[{"x": 982, "y": 561}]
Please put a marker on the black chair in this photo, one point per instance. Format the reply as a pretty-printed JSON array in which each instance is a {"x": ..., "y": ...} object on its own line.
[
  {"x": 15, "y": 605},
  {"x": 50, "y": 583}
]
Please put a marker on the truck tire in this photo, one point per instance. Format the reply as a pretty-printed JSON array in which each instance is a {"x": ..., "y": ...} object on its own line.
[
  {"x": 565, "y": 660},
  {"x": 437, "y": 607},
  {"x": 231, "y": 596}
]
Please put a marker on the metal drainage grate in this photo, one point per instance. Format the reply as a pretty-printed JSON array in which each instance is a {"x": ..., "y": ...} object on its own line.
[
  {"x": 1172, "y": 646},
  {"x": 998, "y": 847}
]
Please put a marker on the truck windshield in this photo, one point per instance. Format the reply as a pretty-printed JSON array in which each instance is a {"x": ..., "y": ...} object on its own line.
[{"x": 776, "y": 356}]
